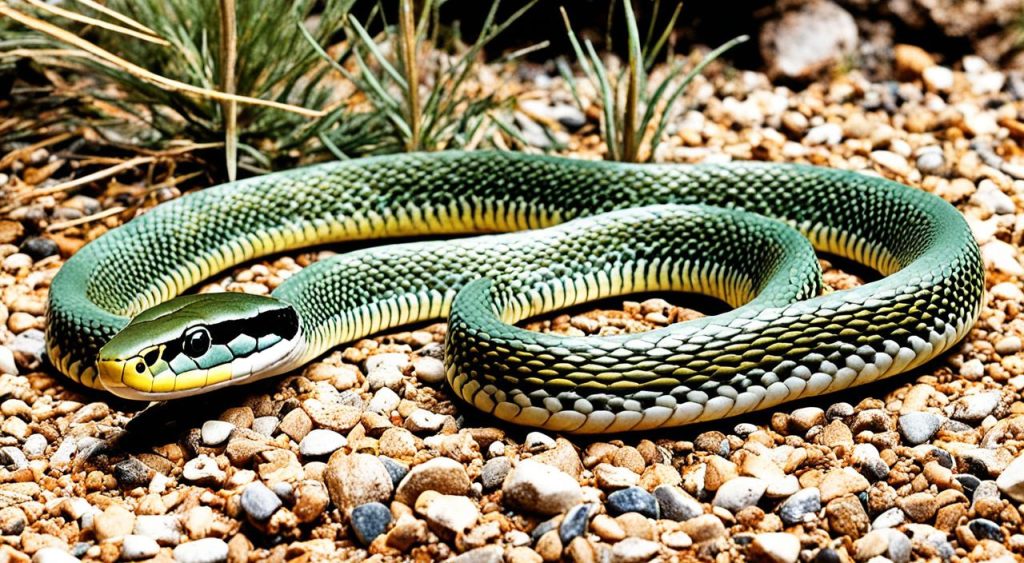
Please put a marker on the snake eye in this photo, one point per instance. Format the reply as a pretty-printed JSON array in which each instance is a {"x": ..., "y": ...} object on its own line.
[{"x": 196, "y": 341}]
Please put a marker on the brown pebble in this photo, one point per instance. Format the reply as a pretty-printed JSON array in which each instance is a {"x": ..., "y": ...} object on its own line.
[
  {"x": 637, "y": 525},
  {"x": 846, "y": 516},
  {"x": 549, "y": 546}
]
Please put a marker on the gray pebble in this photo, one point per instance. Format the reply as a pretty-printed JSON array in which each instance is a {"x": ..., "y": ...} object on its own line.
[
  {"x": 494, "y": 472},
  {"x": 321, "y": 442},
  {"x": 930, "y": 160},
  {"x": 206, "y": 550},
  {"x": 35, "y": 445},
  {"x": 676, "y": 504},
  {"x": 739, "y": 493},
  {"x": 575, "y": 523},
  {"x": 265, "y": 425},
  {"x": 634, "y": 499},
  {"x": 32, "y": 345},
  {"x": 918, "y": 427},
  {"x": 132, "y": 473},
  {"x": 259, "y": 502},
  {"x": 369, "y": 521},
  {"x": 973, "y": 408},
  {"x": 216, "y": 432},
  {"x": 801, "y": 507},
  {"x": 984, "y": 529},
  {"x": 397, "y": 471}
]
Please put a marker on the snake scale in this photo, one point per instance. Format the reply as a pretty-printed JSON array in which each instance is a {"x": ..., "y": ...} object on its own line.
[{"x": 742, "y": 232}]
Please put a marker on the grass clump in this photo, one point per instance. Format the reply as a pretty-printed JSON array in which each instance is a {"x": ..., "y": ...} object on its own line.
[
  {"x": 423, "y": 94},
  {"x": 635, "y": 111}
]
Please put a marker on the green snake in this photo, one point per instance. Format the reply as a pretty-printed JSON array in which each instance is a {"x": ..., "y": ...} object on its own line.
[{"x": 573, "y": 231}]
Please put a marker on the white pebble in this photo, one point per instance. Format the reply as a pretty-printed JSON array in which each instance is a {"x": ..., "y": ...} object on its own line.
[
  {"x": 321, "y": 442},
  {"x": 206, "y": 550},
  {"x": 216, "y": 432},
  {"x": 7, "y": 365}
]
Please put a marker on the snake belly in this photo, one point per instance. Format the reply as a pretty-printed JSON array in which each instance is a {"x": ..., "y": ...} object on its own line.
[{"x": 755, "y": 356}]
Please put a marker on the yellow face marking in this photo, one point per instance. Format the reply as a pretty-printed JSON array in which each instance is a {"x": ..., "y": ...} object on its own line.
[
  {"x": 218, "y": 374},
  {"x": 136, "y": 379},
  {"x": 192, "y": 379}
]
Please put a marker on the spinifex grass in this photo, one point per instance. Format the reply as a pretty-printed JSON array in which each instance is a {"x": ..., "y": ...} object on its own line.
[
  {"x": 423, "y": 95},
  {"x": 169, "y": 63},
  {"x": 634, "y": 112}
]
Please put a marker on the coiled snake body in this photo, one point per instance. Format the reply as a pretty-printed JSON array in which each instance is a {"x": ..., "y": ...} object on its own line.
[{"x": 620, "y": 229}]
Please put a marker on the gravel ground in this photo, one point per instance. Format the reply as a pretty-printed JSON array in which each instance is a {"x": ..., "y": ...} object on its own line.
[{"x": 364, "y": 454}]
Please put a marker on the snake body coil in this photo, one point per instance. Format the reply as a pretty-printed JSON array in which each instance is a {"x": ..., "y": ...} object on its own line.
[{"x": 779, "y": 344}]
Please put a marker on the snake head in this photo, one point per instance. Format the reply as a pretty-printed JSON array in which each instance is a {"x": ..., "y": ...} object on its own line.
[{"x": 197, "y": 343}]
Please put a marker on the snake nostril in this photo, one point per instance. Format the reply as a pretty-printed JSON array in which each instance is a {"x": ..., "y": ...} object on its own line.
[{"x": 140, "y": 367}]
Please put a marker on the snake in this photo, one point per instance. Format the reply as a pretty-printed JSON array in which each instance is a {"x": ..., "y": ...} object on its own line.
[{"x": 548, "y": 233}]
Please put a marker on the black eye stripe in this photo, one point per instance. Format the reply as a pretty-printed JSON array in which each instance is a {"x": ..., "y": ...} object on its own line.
[
  {"x": 152, "y": 356},
  {"x": 283, "y": 322}
]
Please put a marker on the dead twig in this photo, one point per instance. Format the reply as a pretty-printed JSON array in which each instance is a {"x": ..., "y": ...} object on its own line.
[{"x": 84, "y": 220}]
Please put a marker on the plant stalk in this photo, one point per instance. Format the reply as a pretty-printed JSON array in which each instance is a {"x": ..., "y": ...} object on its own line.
[
  {"x": 407, "y": 31},
  {"x": 229, "y": 54}
]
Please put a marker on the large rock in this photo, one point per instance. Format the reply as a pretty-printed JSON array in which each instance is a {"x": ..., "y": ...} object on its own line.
[{"x": 804, "y": 42}]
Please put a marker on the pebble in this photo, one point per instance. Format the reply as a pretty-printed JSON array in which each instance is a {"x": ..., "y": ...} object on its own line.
[
  {"x": 989, "y": 197},
  {"x": 892, "y": 162},
  {"x": 428, "y": 369},
  {"x": 452, "y": 513},
  {"x": 841, "y": 482},
  {"x": 7, "y": 364},
  {"x": 776, "y": 547},
  {"x": 633, "y": 499},
  {"x": 889, "y": 519},
  {"x": 1007, "y": 291},
  {"x": 972, "y": 369},
  {"x": 396, "y": 470},
  {"x": 53, "y": 555},
  {"x": 919, "y": 427},
  {"x": 203, "y": 470},
  {"x": 540, "y": 488},
  {"x": 384, "y": 376},
  {"x": 1001, "y": 256},
  {"x": 930, "y": 160},
  {"x": 634, "y": 550},
  {"x": 113, "y": 523},
  {"x": 610, "y": 477},
  {"x": 440, "y": 474},
  {"x": 827, "y": 134},
  {"x": 985, "y": 529},
  {"x": 494, "y": 472},
  {"x": 538, "y": 442},
  {"x": 39, "y": 248},
  {"x": 973, "y": 408},
  {"x": 739, "y": 493},
  {"x": 216, "y": 432},
  {"x": 575, "y": 523},
  {"x": 259, "y": 502},
  {"x": 486, "y": 554},
  {"x": 1008, "y": 345},
  {"x": 321, "y": 442},
  {"x": 369, "y": 521},
  {"x": 16, "y": 262},
  {"x": 384, "y": 401},
  {"x": 801, "y": 507},
  {"x": 675, "y": 504},
  {"x": 265, "y": 425},
  {"x": 206, "y": 550},
  {"x": 136, "y": 547},
  {"x": 938, "y": 78},
  {"x": 354, "y": 479},
  {"x": 165, "y": 529},
  {"x": 1011, "y": 480},
  {"x": 422, "y": 420}
]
